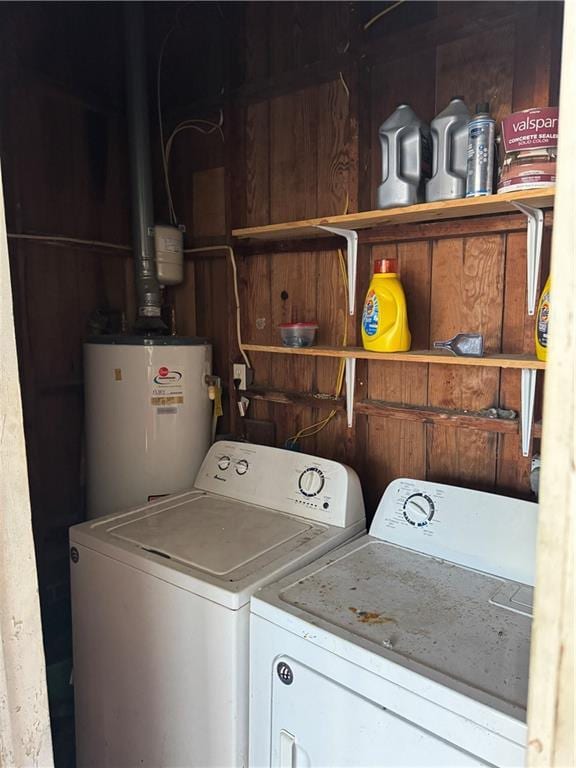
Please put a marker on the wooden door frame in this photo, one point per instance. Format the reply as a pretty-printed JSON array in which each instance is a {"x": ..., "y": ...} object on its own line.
[
  {"x": 25, "y": 737},
  {"x": 551, "y": 687}
]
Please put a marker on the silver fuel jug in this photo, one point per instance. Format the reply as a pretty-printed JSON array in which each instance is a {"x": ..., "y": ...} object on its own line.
[
  {"x": 405, "y": 142},
  {"x": 449, "y": 131}
]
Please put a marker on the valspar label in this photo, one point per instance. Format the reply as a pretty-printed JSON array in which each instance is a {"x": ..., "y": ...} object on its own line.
[
  {"x": 531, "y": 129},
  {"x": 528, "y": 159},
  {"x": 166, "y": 386}
]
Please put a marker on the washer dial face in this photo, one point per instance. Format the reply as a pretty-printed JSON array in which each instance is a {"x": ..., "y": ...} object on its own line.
[
  {"x": 241, "y": 467},
  {"x": 223, "y": 462},
  {"x": 311, "y": 482},
  {"x": 418, "y": 509}
]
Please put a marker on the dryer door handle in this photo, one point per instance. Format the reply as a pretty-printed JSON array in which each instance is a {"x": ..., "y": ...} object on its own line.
[{"x": 287, "y": 750}]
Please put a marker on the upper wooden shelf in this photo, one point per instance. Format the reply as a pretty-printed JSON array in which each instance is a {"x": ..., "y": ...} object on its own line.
[
  {"x": 416, "y": 356},
  {"x": 424, "y": 212}
]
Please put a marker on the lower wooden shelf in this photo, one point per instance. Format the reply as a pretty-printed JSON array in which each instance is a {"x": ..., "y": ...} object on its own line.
[
  {"x": 528, "y": 365},
  {"x": 529, "y": 362},
  {"x": 424, "y": 414}
]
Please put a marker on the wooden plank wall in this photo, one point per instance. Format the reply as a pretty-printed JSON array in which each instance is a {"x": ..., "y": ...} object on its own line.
[
  {"x": 303, "y": 88},
  {"x": 64, "y": 165},
  {"x": 303, "y": 127}
]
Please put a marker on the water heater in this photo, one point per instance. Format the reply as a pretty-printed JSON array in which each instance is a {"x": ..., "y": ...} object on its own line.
[{"x": 148, "y": 417}]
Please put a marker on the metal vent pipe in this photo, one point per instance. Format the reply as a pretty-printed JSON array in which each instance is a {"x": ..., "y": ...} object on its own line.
[{"x": 147, "y": 287}]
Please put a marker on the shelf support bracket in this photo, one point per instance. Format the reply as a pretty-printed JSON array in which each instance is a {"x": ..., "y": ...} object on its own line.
[
  {"x": 352, "y": 258},
  {"x": 534, "y": 232},
  {"x": 350, "y": 381},
  {"x": 528, "y": 390}
]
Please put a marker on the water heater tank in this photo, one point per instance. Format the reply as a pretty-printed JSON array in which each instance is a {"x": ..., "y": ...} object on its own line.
[{"x": 148, "y": 418}]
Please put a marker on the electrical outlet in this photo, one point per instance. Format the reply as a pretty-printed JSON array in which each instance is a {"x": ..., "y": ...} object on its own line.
[{"x": 239, "y": 375}]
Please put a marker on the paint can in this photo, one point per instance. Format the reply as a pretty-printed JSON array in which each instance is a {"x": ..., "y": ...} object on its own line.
[{"x": 528, "y": 147}]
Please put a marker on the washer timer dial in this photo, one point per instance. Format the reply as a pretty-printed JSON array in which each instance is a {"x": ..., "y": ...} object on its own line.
[
  {"x": 241, "y": 467},
  {"x": 223, "y": 462},
  {"x": 311, "y": 482},
  {"x": 418, "y": 509}
]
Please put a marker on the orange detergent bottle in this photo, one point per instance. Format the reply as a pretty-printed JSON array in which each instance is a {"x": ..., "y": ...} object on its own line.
[{"x": 385, "y": 319}]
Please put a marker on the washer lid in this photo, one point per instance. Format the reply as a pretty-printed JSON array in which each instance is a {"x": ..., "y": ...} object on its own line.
[
  {"x": 217, "y": 548},
  {"x": 214, "y": 535}
]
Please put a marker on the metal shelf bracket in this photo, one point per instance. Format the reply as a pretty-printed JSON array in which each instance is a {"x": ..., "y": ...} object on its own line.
[
  {"x": 534, "y": 232},
  {"x": 528, "y": 389},
  {"x": 352, "y": 258},
  {"x": 350, "y": 381}
]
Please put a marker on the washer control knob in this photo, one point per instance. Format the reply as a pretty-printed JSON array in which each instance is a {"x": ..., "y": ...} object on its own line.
[
  {"x": 418, "y": 509},
  {"x": 241, "y": 467},
  {"x": 311, "y": 481},
  {"x": 223, "y": 462}
]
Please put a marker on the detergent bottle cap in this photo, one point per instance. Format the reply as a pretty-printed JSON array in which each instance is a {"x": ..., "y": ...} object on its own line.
[{"x": 383, "y": 266}]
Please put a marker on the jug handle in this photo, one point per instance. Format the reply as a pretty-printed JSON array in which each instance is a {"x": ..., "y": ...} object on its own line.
[
  {"x": 418, "y": 172},
  {"x": 435, "y": 139},
  {"x": 458, "y": 134},
  {"x": 384, "y": 146},
  {"x": 448, "y": 154}
]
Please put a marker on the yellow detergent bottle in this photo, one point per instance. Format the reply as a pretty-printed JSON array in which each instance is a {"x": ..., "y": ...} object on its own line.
[
  {"x": 541, "y": 327},
  {"x": 385, "y": 320}
]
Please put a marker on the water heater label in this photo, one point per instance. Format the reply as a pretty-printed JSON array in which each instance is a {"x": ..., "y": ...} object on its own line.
[{"x": 166, "y": 386}]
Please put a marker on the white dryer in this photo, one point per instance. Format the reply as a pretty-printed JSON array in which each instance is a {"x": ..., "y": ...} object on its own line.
[
  {"x": 406, "y": 647},
  {"x": 160, "y": 603}
]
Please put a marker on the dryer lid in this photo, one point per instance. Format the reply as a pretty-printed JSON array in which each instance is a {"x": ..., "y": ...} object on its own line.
[
  {"x": 214, "y": 535},
  {"x": 466, "y": 630}
]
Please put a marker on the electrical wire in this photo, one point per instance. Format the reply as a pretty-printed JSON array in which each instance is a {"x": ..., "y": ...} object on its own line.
[
  {"x": 230, "y": 251},
  {"x": 318, "y": 426},
  {"x": 344, "y": 85},
  {"x": 54, "y": 239},
  {"x": 171, "y": 211},
  {"x": 196, "y": 125},
  {"x": 165, "y": 147},
  {"x": 378, "y": 16}
]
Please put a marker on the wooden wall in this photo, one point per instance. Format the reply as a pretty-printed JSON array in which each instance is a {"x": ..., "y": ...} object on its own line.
[
  {"x": 64, "y": 166},
  {"x": 303, "y": 88},
  {"x": 303, "y": 101}
]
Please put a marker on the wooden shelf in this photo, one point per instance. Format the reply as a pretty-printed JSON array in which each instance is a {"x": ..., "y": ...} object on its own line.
[
  {"x": 424, "y": 212},
  {"x": 416, "y": 356},
  {"x": 424, "y": 414}
]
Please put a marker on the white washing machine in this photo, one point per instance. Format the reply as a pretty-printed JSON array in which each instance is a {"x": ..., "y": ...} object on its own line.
[
  {"x": 160, "y": 603},
  {"x": 408, "y": 646}
]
